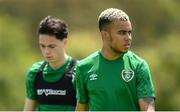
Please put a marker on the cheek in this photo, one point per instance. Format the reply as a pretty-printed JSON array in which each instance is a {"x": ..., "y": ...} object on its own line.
[
  {"x": 117, "y": 40},
  {"x": 117, "y": 43},
  {"x": 57, "y": 51}
]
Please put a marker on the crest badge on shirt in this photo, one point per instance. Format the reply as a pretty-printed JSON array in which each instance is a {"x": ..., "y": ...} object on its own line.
[{"x": 127, "y": 75}]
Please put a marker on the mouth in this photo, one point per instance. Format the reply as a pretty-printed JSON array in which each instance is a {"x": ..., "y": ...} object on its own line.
[
  {"x": 128, "y": 45},
  {"x": 48, "y": 57}
]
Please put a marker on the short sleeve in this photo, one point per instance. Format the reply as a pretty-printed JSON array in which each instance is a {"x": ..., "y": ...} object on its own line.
[
  {"x": 145, "y": 86},
  {"x": 30, "y": 85},
  {"x": 81, "y": 90}
]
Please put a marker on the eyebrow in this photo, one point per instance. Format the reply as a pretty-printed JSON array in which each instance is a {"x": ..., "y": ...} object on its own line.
[
  {"x": 47, "y": 45},
  {"x": 124, "y": 30}
]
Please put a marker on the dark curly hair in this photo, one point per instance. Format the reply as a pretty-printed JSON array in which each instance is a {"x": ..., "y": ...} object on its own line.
[{"x": 53, "y": 26}]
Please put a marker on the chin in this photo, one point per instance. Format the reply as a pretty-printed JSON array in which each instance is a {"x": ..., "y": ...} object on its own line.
[
  {"x": 50, "y": 60},
  {"x": 125, "y": 51},
  {"x": 122, "y": 51}
]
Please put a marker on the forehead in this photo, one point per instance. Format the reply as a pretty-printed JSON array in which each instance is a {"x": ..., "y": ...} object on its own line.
[
  {"x": 44, "y": 38},
  {"x": 121, "y": 25}
]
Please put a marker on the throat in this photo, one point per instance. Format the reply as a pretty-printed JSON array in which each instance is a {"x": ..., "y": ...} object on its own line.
[
  {"x": 57, "y": 64},
  {"x": 111, "y": 55}
]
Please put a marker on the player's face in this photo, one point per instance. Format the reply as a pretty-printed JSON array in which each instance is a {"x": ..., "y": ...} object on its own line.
[
  {"x": 120, "y": 36},
  {"x": 52, "y": 49}
]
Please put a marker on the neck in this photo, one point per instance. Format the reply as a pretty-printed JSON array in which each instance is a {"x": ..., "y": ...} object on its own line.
[
  {"x": 109, "y": 54},
  {"x": 57, "y": 64}
]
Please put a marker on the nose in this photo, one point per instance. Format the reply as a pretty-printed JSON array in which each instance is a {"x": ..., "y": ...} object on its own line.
[
  {"x": 47, "y": 51},
  {"x": 127, "y": 36}
]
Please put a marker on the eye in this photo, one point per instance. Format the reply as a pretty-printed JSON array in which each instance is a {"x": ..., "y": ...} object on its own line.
[
  {"x": 122, "y": 32},
  {"x": 129, "y": 32},
  {"x": 52, "y": 46},
  {"x": 42, "y": 46}
]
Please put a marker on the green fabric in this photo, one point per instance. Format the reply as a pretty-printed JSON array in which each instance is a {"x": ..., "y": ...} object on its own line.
[
  {"x": 49, "y": 75},
  {"x": 56, "y": 108},
  {"x": 99, "y": 82}
]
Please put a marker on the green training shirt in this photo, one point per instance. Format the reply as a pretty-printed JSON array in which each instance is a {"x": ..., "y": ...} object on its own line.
[
  {"x": 49, "y": 75},
  {"x": 113, "y": 85}
]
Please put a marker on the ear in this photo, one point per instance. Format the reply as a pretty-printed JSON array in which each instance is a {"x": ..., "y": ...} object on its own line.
[
  {"x": 105, "y": 35},
  {"x": 65, "y": 41}
]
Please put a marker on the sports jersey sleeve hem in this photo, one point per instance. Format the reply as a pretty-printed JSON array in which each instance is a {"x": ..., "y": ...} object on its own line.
[
  {"x": 82, "y": 102},
  {"x": 32, "y": 98},
  {"x": 144, "y": 96}
]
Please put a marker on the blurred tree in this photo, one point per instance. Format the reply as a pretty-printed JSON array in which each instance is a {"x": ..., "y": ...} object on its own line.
[
  {"x": 15, "y": 59},
  {"x": 163, "y": 60}
]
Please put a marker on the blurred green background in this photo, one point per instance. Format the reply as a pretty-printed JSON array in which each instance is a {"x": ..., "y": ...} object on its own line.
[{"x": 156, "y": 37}]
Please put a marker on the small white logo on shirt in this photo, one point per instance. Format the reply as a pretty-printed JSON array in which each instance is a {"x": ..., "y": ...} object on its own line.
[
  {"x": 93, "y": 77},
  {"x": 51, "y": 92}
]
